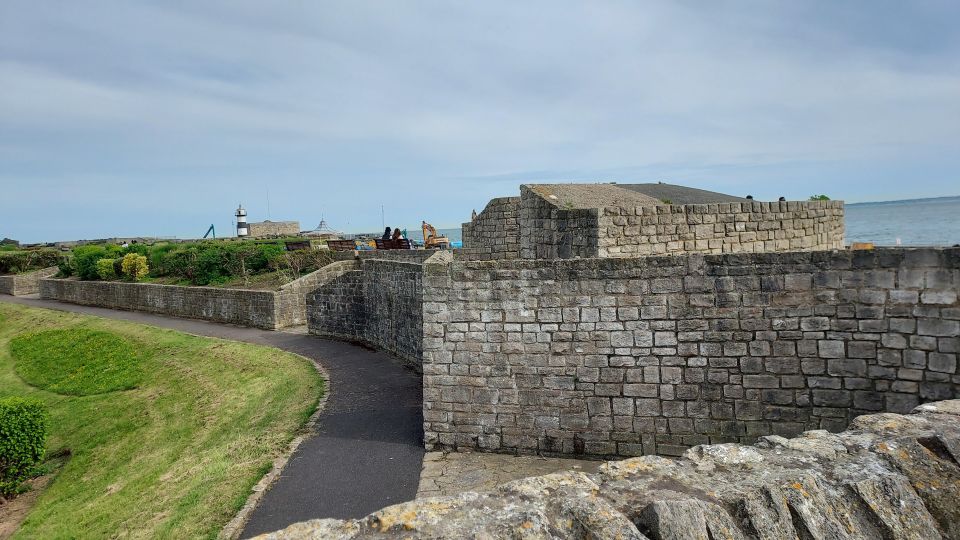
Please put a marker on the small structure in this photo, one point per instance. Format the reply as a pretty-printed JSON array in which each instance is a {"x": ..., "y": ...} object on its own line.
[{"x": 269, "y": 228}]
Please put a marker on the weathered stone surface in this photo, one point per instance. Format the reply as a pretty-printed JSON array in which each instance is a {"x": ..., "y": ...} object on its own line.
[
  {"x": 889, "y": 476},
  {"x": 633, "y": 356}
]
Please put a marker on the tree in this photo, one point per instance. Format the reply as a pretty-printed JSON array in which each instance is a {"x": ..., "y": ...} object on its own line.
[{"x": 819, "y": 198}]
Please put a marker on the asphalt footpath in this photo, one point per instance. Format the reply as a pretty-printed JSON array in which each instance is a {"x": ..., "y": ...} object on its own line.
[{"x": 367, "y": 448}]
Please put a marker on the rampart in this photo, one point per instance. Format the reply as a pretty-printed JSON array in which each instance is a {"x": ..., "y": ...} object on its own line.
[
  {"x": 261, "y": 309},
  {"x": 649, "y": 355},
  {"x": 378, "y": 304},
  {"x": 25, "y": 283},
  {"x": 495, "y": 233},
  {"x": 567, "y": 221},
  {"x": 888, "y": 476}
]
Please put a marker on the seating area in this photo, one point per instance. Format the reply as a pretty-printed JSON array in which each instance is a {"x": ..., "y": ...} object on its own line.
[
  {"x": 341, "y": 245},
  {"x": 402, "y": 243}
]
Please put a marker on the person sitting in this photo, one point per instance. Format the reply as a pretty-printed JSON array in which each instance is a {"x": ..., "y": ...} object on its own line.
[
  {"x": 397, "y": 235},
  {"x": 386, "y": 234}
]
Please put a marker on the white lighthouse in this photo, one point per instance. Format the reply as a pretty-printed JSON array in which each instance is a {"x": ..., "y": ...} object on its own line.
[{"x": 242, "y": 230}]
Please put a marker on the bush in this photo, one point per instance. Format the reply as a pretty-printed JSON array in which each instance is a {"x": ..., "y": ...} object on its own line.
[
  {"x": 85, "y": 259},
  {"x": 16, "y": 262},
  {"x": 106, "y": 270},
  {"x": 23, "y": 435},
  {"x": 135, "y": 266}
]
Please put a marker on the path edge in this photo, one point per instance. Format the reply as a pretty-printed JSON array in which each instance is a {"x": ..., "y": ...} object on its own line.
[{"x": 234, "y": 528}]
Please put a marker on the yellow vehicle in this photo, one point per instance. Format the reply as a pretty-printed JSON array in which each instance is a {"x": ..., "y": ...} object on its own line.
[{"x": 432, "y": 239}]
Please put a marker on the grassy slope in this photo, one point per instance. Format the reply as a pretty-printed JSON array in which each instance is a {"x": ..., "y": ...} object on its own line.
[{"x": 176, "y": 457}]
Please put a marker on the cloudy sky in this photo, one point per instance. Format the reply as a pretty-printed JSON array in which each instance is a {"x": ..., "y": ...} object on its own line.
[{"x": 157, "y": 118}]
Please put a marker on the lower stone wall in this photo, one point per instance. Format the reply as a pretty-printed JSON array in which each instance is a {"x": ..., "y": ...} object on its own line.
[
  {"x": 399, "y": 255},
  {"x": 380, "y": 305},
  {"x": 235, "y": 306},
  {"x": 653, "y": 355},
  {"x": 26, "y": 283},
  {"x": 889, "y": 476},
  {"x": 291, "y": 302}
]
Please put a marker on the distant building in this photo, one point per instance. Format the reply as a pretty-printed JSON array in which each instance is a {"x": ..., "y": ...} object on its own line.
[{"x": 273, "y": 228}]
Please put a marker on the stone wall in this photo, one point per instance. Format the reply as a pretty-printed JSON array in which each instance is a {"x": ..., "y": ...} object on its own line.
[
  {"x": 273, "y": 228},
  {"x": 25, "y": 283},
  {"x": 495, "y": 233},
  {"x": 291, "y": 302},
  {"x": 379, "y": 304},
  {"x": 535, "y": 227},
  {"x": 400, "y": 255},
  {"x": 261, "y": 309},
  {"x": 235, "y": 306},
  {"x": 889, "y": 476},
  {"x": 653, "y": 355},
  {"x": 721, "y": 228}
]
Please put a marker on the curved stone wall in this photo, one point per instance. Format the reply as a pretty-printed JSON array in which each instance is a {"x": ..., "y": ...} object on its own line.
[
  {"x": 653, "y": 355},
  {"x": 889, "y": 476}
]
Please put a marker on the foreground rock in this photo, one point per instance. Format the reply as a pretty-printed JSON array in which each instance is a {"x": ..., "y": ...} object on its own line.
[{"x": 888, "y": 476}]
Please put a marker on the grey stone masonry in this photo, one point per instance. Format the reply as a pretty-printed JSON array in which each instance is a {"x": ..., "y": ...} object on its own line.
[
  {"x": 652, "y": 355},
  {"x": 25, "y": 283},
  {"x": 378, "y": 304},
  {"x": 261, "y": 309},
  {"x": 540, "y": 225},
  {"x": 495, "y": 233},
  {"x": 721, "y": 228}
]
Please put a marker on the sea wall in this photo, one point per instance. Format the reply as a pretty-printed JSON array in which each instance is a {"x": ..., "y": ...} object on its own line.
[
  {"x": 653, "y": 355},
  {"x": 25, "y": 283},
  {"x": 888, "y": 476},
  {"x": 378, "y": 304},
  {"x": 495, "y": 233},
  {"x": 721, "y": 228}
]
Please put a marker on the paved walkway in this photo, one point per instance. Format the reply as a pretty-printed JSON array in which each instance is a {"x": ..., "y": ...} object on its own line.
[{"x": 367, "y": 450}]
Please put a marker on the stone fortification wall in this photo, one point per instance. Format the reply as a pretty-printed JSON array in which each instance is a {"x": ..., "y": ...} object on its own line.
[
  {"x": 721, "y": 228},
  {"x": 536, "y": 226},
  {"x": 291, "y": 302},
  {"x": 235, "y": 306},
  {"x": 25, "y": 283},
  {"x": 889, "y": 476},
  {"x": 653, "y": 355},
  {"x": 400, "y": 255},
  {"x": 379, "y": 304},
  {"x": 273, "y": 228},
  {"x": 495, "y": 233},
  {"x": 261, "y": 309}
]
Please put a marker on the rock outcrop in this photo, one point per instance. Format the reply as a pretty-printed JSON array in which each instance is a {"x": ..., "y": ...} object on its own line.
[{"x": 888, "y": 476}]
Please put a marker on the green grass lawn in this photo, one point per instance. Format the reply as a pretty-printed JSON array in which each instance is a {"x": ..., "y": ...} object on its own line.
[{"x": 167, "y": 432}]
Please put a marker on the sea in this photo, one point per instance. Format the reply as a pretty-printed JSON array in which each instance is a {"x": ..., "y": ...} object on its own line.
[{"x": 916, "y": 222}]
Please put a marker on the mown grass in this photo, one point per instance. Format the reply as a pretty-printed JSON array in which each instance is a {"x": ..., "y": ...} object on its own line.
[{"x": 175, "y": 455}]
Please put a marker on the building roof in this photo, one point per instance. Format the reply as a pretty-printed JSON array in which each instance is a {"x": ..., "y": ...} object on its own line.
[
  {"x": 680, "y": 194},
  {"x": 575, "y": 196}
]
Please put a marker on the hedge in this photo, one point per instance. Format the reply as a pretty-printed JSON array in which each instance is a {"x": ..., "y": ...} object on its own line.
[
  {"x": 23, "y": 435},
  {"x": 17, "y": 262}
]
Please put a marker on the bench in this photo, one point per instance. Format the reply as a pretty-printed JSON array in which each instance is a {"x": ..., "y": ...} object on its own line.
[
  {"x": 403, "y": 243},
  {"x": 342, "y": 245}
]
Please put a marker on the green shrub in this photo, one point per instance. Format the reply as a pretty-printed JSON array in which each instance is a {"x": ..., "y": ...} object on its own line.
[
  {"x": 23, "y": 435},
  {"x": 16, "y": 262},
  {"x": 135, "y": 266},
  {"x": 106, "y": 270},
  {"x": 85, "y": 259},
  {"x": 819, "y": 198}
]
